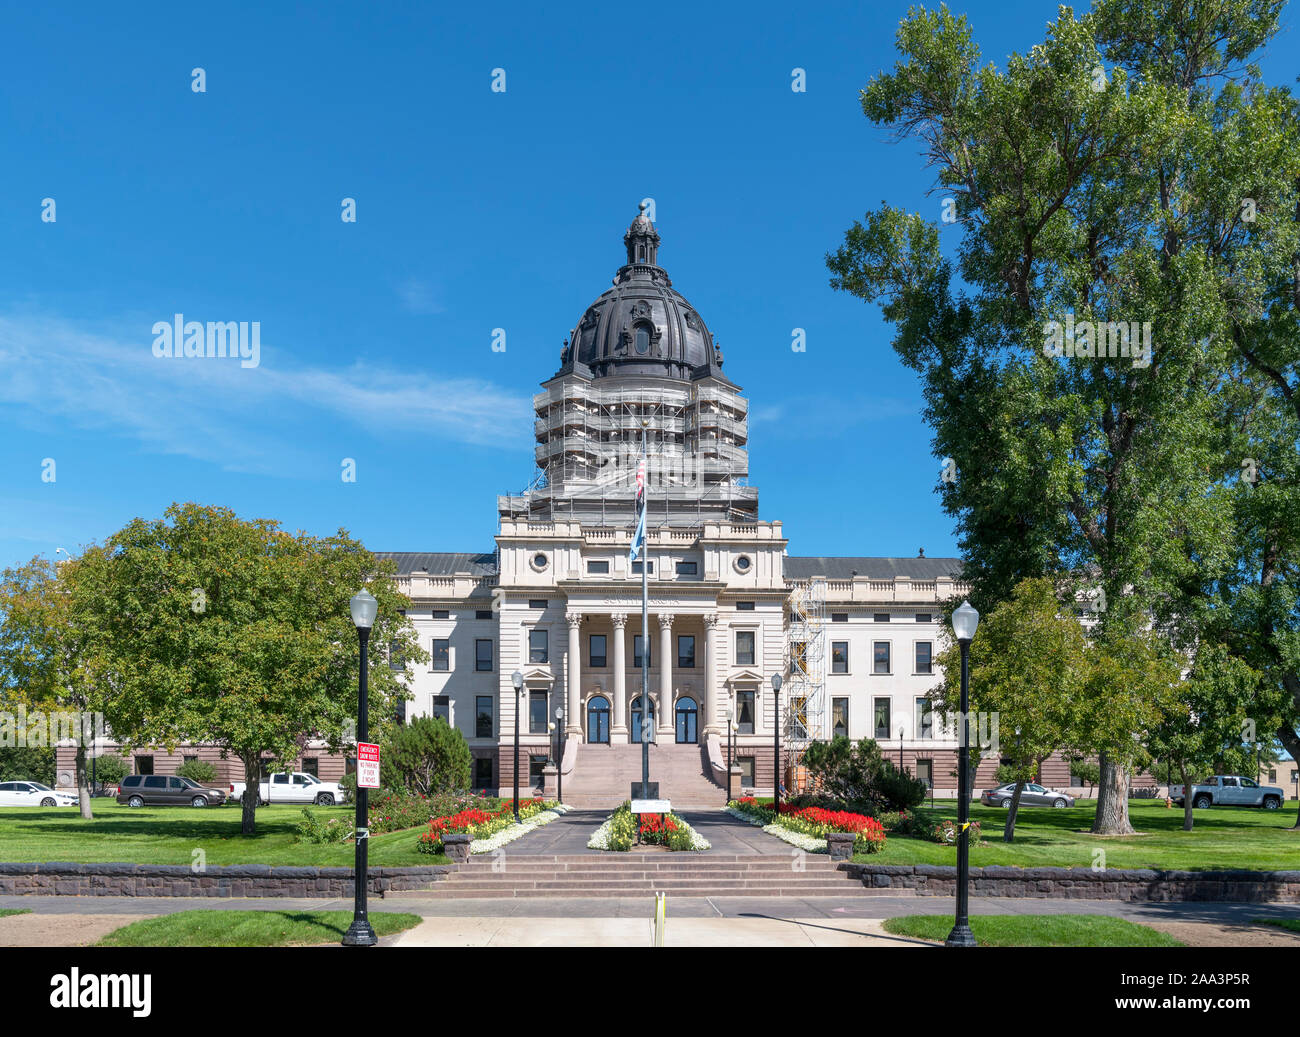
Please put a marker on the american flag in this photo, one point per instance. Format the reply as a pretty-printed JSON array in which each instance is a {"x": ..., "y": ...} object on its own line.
[{"x": 640, "y": 480}]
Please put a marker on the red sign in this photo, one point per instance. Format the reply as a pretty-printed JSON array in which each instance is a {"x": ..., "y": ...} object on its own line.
[{"x": 367, "y": 765}]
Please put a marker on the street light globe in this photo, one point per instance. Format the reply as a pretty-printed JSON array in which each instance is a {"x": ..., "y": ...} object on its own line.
[
  {"x": 517, "y": 679},
  {"x": 364, "y": 606},
  {"x": 964, "y": 621},
  {"x": 550, "y": 726},
  {"x": 776, "y": 682},
  {"x": 559, "y": 712}
]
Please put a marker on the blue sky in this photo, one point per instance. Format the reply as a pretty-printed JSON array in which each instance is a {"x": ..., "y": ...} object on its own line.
[{"x": 475, "y": 210}]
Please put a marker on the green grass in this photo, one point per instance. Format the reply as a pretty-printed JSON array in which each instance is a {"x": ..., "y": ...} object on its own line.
[
  {"x": 170, "y": 835},
  {"x": 1223, "y": 837},
  {"x": 1293, "y": 924},
  {"x": 1036, "y": 930},
  {"x": 5, "y": 911},
  {"x": 249, "y": 928}
]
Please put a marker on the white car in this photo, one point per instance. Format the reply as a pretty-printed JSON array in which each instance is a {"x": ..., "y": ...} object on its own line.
[
  {"x": 33, "y": 794},
  {"x": 293, "y": 788}
]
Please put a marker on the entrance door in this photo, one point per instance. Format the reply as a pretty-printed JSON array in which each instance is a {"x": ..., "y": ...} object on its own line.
[
  {"x": 598, "y": 720},
  {"x": 687, "y": 717},
  {"x": 636, "y": 721}
]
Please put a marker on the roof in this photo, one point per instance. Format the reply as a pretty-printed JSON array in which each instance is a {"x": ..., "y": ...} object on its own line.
[
  {"x": 442, "y": 563},
  {"x": 844, "y": 568}
]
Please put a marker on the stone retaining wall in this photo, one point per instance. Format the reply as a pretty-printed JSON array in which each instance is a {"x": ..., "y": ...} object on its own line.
[
  {"x": 249, "y": 880},
  {"x": 1084, "y": 884}
]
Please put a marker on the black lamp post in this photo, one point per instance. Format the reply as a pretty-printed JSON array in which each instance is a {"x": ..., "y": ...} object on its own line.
[
  {"x": 360, "y": 933},
  {"x": 776, "y": 744},
  {"x": 964, "y": 621},
  {"x": 517, "y": 679},
  {"x": 559, "y": 753},
  {"x": 730, "y": 725}
]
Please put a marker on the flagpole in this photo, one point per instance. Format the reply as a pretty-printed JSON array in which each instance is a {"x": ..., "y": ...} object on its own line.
[{"x": 647, "y": 727}]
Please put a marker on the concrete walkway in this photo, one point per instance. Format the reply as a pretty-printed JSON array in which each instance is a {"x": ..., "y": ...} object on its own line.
[{"x": 569, "y": 834}]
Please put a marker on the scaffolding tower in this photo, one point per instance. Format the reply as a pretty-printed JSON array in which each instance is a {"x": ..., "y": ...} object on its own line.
[{"x": 806, "y": 718}]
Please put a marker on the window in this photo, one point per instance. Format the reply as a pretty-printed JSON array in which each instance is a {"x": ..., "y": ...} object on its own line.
[
  {"x": 746, "y": 771},
  {"x": 441, "y": 653},
  {"x": 839, "y": 657},
  {"x": 923, "y": 617},
  {"x": 154, "y": 781},
  {"x": 924, "y": 718},
  {"x": 311, "y": 765},
  {"x": 539, "y": 561},
  {"x": 882, "y": 617},
  {"x": 483, "y": 653},
  {"x": 400, "y": 711},
  {"x": 798, "y": 716},
  {"x": 538, "y": 647},
  {"x": 745, "y": 712},
  {"x": 482, "y": 772},
  {"x": 744, "y": 606},
  {"x": 483, "y": 716},
  {"x": 839, "y": 718},
  {"x": 839, "y": 617},
  {"x": 636, "y": 568},
  {"x": 686, "y": 651},
  {"x": 395, "y": 659},
  {"x": 537, "y": 712},
  {"x": 642, "y": 332},
  {"x": 144, "y": 765},
  {"x": 882, "y": 718},
  {"x": 799, "y": 656},
  {"x": 1272, "y": 774},
  {"x": 482, "y": 613},
  {"x": 535, "y": 766},
  {"x": 596, "y": 654},
  {"x": 441, "y": 707},
  {"x": 441, "y": 614},
  {"x": 881, "y": 657},
  {"x": 925, "y": 772},
  {"x": 537, "y": 603},
  {"x": 636, "y": 653},
  {"x": 922, "y": 656},
  {"x": 688, "y": 569},
  {"x": 598, "y": 568},
  {"x": 744, "y": 648},
  {"x": 742, "y": 563},
  {"x": 189, "y": 759}
]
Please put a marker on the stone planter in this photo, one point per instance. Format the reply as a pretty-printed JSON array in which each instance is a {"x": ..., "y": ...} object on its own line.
[
  {"x": 456, "y": 846},
  {"x": 840, "y": 845}
]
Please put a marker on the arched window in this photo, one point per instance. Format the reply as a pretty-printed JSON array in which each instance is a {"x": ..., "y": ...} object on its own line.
[
  {"x": 687, "y": 718},
  {"x": 598, "y": 719},
  {"x": 635, "y": 734},
  {"x": 642, "y": 339}
]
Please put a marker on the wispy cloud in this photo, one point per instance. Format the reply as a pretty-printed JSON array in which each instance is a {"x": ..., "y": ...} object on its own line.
[
  {"x": 419, "y": 296},
  {"x": 832, "y": 413},
  {"x": 244, "y": 419}
]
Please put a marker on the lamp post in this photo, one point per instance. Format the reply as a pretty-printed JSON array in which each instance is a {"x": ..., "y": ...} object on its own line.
[
  {"x": 729, "y": 724},
  {"x": 776, "y": 744},
  {"x": 559, "y": 754},
  {"x": 517, "y": 679},
  {"x": 964, "y": 621},
  {"x": 900, "y": 748},
  {"x": 360, "y": 933}
]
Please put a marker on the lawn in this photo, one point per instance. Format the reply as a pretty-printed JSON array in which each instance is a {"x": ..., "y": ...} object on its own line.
[
  {"x": 1036, "y": 930},
  {"x": 170, "y": 835},
  {"x": 249, "y": 928},
  {"x": 6, "y": 911},
  {"x": 1293, "y": 924},
  {"x": 1223, "y": 837}
]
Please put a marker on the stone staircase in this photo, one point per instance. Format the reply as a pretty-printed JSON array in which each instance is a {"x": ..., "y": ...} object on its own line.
[
  {"x": 602, "y": 775},
  {"x": 606, "y": 875}
]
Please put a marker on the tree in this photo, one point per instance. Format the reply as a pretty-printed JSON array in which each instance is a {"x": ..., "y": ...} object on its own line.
[
  {"x": 427, "y": 756},
  {"x": 1027, "y": 666},
  {"x": 1127, "y": 171},
  {"x": 858, "y": 777},
  {"x": 197, "y": 770},
  {"x": 25, "y": 763},
  {"x": 221, "y": 630},
  {"x": 110, "y": 769},
  {"x": 47, "y": 654}
]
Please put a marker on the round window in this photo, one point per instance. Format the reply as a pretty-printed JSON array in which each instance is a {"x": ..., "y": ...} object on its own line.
[
  {"x": 539, "y": 561},
  {"x": 742, "y": 563}
]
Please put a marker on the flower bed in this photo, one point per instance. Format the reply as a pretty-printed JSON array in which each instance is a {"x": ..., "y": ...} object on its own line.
[
  {"x": 807, "y": 827},
  {"x": 513, "y": 831},
  {"x": 619, "y": 832},
  {"x": 483, "y": 824}
]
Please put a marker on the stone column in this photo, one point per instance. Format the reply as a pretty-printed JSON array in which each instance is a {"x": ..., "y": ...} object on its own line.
[
  {"x": 665, "y": 704},
  {"x": 711, "y": 706},
  {"x": 574, "y": 726},
  {"x": 619, "y": 619}
]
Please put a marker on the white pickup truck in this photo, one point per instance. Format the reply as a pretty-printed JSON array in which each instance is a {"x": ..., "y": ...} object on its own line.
[
  {"x": 292, "y": 788},
  {"x": 1230, "y": 790}
]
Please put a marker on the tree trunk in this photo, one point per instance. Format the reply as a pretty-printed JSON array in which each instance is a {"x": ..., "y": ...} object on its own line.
[
  {"x": 1112, "y": 799},
  {"x": 252, "y": 789},
  {"x": 83, "y": 783},
  {"x": 1187, "y": 797},
  {"x": 1009, "y": 829}
]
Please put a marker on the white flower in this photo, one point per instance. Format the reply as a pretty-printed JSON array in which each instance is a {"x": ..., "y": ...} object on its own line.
[
  {"x": 805, "y": 842},
  {"x": 512, "y": 832},
  {"x": 600, "y": 837}
]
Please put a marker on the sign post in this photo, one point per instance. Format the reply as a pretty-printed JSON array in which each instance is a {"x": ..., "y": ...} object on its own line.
[{"x": 367, "y": 765}]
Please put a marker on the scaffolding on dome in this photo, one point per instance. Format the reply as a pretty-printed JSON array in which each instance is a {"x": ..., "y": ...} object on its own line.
[
  {"x": 805, "y": 688},
  {"x": 589, "y": 441}
]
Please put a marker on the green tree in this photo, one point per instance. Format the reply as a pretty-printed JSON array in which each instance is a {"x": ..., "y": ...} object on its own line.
[
  {"x": 110, "y": 769},
  {"x": 198, "y": 770},
  {"x": 25, "y": 763},
  {"x": 1131, "y": 167},
  {"x": 217, "y": 629},
  {"x": 426, "y": 756}
]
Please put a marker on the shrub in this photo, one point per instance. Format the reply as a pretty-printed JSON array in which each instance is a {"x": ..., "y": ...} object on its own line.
[
  {"x": 196, "y": 770},
  {"x": 311, "y": 829},
  {"x": 425, "y": 757},
  {"x": 947, "y": 832},
  {"x": 898, "y": 790},
  {"x": 109, "y": 770}
]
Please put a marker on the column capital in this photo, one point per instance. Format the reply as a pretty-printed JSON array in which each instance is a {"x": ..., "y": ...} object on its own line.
[
  {"x": 573, "y": 618},
  {"x": 710, "y": 620},
  {"x": 619, "y": 619},
  {"x": 666, "y": 620}
]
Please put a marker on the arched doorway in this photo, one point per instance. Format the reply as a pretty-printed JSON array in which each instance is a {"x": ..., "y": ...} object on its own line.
[
  {"x": 635, "y": 738},
  {"x": 598, "y": 720},
  {"x": 687, "y": 720}
]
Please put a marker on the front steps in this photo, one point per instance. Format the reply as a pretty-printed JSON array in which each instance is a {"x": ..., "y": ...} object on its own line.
[
  {"x": 602, "y": 776},
  {"x": 683, "y": 874}
]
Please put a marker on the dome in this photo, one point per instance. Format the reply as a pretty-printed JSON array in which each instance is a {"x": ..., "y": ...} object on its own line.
[{"x": 642, "y": 326}]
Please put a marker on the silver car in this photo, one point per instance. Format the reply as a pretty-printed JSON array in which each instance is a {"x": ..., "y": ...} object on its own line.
[{"x": 1030, "y": 796}]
